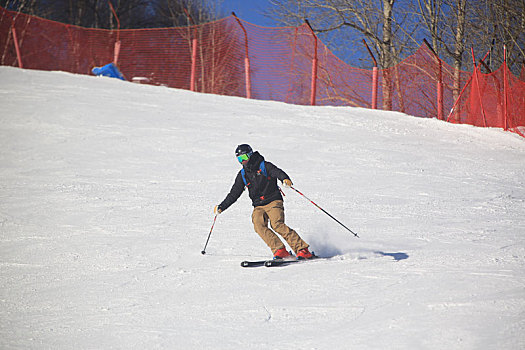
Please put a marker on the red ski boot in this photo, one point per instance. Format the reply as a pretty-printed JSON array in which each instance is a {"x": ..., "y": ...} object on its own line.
[
  {"x": 281, "y": 254},
  {"x": 304, "y": 254}
]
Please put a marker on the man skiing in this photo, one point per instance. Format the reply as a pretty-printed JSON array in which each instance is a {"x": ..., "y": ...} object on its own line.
[{"x": 260, "y": 177}]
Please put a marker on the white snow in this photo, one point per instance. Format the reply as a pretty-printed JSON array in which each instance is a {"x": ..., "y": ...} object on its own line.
[{"x": 106, "y": 197}]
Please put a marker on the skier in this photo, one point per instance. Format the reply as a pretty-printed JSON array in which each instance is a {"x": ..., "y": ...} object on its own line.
[{"x": 260, "y": 177}]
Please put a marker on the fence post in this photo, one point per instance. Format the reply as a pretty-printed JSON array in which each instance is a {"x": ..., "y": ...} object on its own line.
[
  {"x": 17, "y": 47},
  {"x": 194, "y": 44},
  {"x": 440, "y": 89},
  {"x": 375, "y": 77},
  {"x": 246, "y": 60},
  {"x": 116, "y": 50},
  {"x": 440, "y": 94},
  {"x": 313, "y": 86},
  {"x": 505, "y": 89}
]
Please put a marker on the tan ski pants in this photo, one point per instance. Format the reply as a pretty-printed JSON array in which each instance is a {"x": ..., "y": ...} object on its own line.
[{"x": 274, "y": 212}]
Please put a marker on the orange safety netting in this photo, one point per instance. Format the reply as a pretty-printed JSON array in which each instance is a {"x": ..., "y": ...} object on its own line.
[{"x": 288, "y": 64}]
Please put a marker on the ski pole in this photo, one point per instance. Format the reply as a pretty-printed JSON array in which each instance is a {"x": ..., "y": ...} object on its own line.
[
  {"x": 204, "y": 250},
  {"x": 324, "y": 211}
]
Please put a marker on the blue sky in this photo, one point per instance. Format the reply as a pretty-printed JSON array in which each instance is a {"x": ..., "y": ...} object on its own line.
[{"x": 249, "y": 10}]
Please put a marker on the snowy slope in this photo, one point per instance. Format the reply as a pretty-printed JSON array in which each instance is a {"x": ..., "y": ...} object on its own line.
[{"x": 106, "y": 197}]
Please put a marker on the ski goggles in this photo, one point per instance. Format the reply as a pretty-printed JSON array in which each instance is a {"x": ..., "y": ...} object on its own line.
[{"x": 241, "y": 158}]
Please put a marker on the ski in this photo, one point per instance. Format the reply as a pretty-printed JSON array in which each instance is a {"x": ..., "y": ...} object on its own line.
[
  {"x": 247, "y": 263},
  {"x": 280, "y": 262},
  {"x": 284, "y": 262},
  {"x": 266, "y": 262},
  {"x": 274, "y": 262}
]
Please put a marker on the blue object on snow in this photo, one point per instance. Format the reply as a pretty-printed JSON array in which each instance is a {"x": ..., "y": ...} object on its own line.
[{"x": 109, "y": 70}]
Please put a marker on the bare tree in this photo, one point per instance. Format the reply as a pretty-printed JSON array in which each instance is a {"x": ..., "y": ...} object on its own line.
[
  {"x": 499, "y": 24},
  {"x": 375, "y": 20},
  {"x": 431, "y": 15},
  {"x": 455, "y": 48},
  {"x": 26, "y": 6},
  {"x": 175, "y": 12},
  {"x": 455, "y": 26},
  {"x": 97, "y": 13}
]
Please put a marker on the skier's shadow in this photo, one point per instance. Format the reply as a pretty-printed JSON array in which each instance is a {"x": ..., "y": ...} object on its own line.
[
  {"x": 363, "y": 254},
  {"x": 397, "y": 256}
]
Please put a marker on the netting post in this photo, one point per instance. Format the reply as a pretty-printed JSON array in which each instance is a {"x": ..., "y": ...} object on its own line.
[
  {"x": 313, "y": 88},
  {"x": 439, "y": 89},
  {"x": 375, "y": 83},
  {"x": 246, "y": 59},
  {"x": 248, "y": 79},
  {"x": 116, "y": 49},
  {"x": 17, "y": 47},
  {"x": 194, "y": 44},
  {"x": 116, "y": 52},
  {"x": 193, "y": 63},
  {"x": 440, "y": 94},
  {"x": 505, "y": 88},
  {"x": 375, "y": 77}
]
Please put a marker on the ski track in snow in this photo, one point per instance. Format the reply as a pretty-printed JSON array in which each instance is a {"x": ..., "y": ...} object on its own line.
[{"x": 106, "y": 198}]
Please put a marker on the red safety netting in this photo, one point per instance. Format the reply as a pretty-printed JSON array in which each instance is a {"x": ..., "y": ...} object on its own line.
[
  {"x": 492, "y": 100},
  {"x": 288, "y": 64}
]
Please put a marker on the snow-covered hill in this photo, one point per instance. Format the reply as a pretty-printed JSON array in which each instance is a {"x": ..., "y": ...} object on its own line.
[{"x": 106, "y": 197}]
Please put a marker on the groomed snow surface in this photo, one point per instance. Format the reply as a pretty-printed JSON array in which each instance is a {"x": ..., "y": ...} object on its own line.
[{"x": 107, "y": 191}]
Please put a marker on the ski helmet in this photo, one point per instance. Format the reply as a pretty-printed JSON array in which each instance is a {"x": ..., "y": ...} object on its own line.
[{"x": 243, "y": 149}]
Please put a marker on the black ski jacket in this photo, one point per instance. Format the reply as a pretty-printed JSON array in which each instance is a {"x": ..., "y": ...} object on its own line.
[{"x": 262, "y": 189}]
